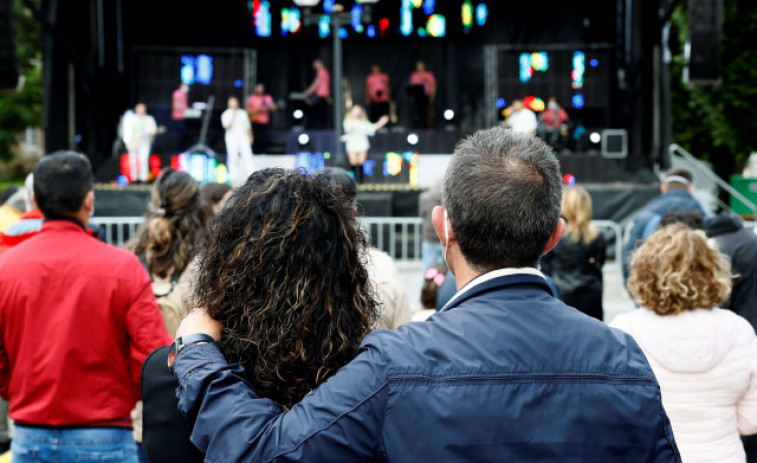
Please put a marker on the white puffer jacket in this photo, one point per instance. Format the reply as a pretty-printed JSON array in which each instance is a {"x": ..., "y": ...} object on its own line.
[{"x": 706, "y": 364}]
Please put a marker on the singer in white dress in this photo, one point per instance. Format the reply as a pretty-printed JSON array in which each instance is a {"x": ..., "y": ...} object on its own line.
[
  {"x": 357, "y": 129},
  {"x": 238, "y": 142}
]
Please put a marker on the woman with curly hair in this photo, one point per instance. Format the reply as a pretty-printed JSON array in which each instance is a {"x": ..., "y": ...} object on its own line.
[
  {"x": 704, "y": 358},
  {"x": 280, "y": 267}
]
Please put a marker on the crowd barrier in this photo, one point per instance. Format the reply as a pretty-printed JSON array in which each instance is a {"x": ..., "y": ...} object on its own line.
[{"x": 400, "y": 237}]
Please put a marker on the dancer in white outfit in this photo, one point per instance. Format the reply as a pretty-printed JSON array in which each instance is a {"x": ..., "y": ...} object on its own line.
[
  {"x": 238, "y": 141},
  {"x": 357, "y": 129},
  {"x": 139, "y": 130}
]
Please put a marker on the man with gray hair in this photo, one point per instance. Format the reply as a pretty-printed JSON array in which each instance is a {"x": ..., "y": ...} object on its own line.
[{"x": 505, "y": 372}]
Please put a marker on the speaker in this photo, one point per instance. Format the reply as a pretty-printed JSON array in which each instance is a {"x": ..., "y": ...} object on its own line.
[
  {"x": 703, "y": 47},
  {"x": 614, "y": 143},
  {"x": 8, "y": 61}
]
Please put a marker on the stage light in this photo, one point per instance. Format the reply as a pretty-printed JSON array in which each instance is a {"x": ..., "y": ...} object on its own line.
[
  {"x": 412, "y": 139},
  {"x": 570, "y": 179},
  {"x": 594, "y": 62},
  {"x": 384, "y": 24},
  {"x": 595, "y": 137},
  {"x": 298, "y": 114},
  {"x": 429, "y": 6},
  {"x": 306, "y": 3},
  {"x": 578, "y": 101},
  {"x": 501, "y": 103},
  {"x": 324, "y": 26},
  {"x": 482, "y": 13},
  {"x": 422, "y": 32},
  {"x": 406, "y": 19},
  {"x": 188, "y": 69},
  {"x": 526, "y": 71},
  {"x": 328, "y": 6},
  {"x": 342, "y": 33},
  {"x": 261, "y": 13},
  {"x": 540, "y": 61},
  {"x": 238, "y": 83},
  {"x": 466, "y": 15},
  {"x": 579, "y": 66},
  {"x": 356, "y": 14},
  {"x": 417, "y": 3},
  {"x": 371, "y": 31},
  {"x": 436, "y": 25},
  {"x": 449, "y": 115},
  {"x": 303, "y": 139}
]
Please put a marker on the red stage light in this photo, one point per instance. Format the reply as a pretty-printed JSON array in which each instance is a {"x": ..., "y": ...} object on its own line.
[
  {"x": 384, "y": 24},
  {"x": 570, "y": 179}
]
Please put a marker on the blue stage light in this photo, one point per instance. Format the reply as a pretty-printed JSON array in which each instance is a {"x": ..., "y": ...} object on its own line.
[
  {"x": 578, "y": 101},
  {"x": 342, "y": 33},
  {"x": 501, "y": 103},
  {"x": 238, "y": 83},
  {"x": 594, "y": 62},
  {"x": 371, "y": 31}
]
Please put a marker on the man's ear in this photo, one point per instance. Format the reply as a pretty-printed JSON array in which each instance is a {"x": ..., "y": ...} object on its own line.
[
  {"x": 89, "y": 202},
  {"x": 437, "y": 219},
  {"x": 690, "y": 189},
  {"x": 663, "y": 188},
  {"x": 556, "y": 236}
]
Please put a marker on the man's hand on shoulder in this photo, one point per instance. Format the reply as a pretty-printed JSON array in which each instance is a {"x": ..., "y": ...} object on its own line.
[{"x": 198, "y": 321}]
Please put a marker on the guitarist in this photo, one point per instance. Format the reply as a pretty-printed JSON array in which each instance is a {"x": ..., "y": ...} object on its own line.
[{"x": 259, "y": 106}]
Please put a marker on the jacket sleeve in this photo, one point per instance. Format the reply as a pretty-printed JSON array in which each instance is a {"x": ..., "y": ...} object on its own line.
[
  {"x": 747, "y": 406},
  {"x": 339, "y": 421},
  {"x": 5, "y": 373},
  {"x": 144, "y": 323}
]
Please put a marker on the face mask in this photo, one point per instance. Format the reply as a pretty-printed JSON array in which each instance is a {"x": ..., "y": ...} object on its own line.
[
  {"x": 446, "y": 237},
  {"x": 552, "y": 105}
]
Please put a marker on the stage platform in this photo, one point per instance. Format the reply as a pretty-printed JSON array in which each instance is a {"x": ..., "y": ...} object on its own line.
[{"x": 616, "y": 202}]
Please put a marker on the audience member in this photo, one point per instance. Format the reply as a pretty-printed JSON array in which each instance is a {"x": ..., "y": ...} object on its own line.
[
  {"x": 79, "y": 318},
  {"x": 705, "y": 358},
  {"x": 576, "y": 262},
  {"x": 393, "y": 304},
  {"x": 165, "y": 244},
  {"x": 215, "y": 195},
  {"x": 432, "y": 280},
  {"x": 740, "y": 245},
  {"x": 505, "y": 373},
  {"x": 675, "y": 195},
  {"x": 431, "y": 248},
  {"x": 280, "y": 268}
]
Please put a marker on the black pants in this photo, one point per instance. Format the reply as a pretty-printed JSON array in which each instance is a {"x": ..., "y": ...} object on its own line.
[
  {"x": 318, "y": 119},
  {"x": 587, "y": 301},
  {"x": 377, "y": 109},
  {"x": 260, "y": 135}
]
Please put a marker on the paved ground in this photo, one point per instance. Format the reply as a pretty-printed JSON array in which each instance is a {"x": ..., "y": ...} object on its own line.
[{"x": 615, "y": 298}]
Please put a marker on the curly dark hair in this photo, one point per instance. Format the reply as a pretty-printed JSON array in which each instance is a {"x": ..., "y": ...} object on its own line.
[
  {"x": 174, "y": 219},
  {"x": 281, "y": 268}
]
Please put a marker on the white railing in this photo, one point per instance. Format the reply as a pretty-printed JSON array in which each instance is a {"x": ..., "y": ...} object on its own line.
[{"x": 400, "y": 237}]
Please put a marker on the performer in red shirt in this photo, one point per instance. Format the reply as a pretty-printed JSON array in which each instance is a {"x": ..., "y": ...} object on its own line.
[
  {"x": 377, "y": 93},
  {"x": 424, "y": 101},
  {"x": 321, "y": 90},
  {"x": 259, "y": 106}
]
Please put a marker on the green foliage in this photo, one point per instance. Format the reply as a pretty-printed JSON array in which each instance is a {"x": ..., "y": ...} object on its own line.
[
  {"x": 24, "y": 109},
  {"x": 719, "y": 123}
]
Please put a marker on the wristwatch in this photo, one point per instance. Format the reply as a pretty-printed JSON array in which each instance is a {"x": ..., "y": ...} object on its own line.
[{"x": 183, "y": 342}]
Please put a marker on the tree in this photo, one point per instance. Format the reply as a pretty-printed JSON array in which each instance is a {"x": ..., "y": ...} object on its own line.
[
  {"x": 24, "y": 109},
  {"x": 719, "y": 123}
]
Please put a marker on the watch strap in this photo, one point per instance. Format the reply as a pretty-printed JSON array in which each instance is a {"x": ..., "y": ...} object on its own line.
[{"x": 180, "y": 343}]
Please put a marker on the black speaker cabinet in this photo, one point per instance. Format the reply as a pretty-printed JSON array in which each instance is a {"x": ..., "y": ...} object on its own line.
[
  {"x": 8, "y": 62},
  {"x": 703, "y": 47}
]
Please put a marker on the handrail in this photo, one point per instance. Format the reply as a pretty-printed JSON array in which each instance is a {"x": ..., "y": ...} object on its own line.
[{"x": 674, "y": 149}]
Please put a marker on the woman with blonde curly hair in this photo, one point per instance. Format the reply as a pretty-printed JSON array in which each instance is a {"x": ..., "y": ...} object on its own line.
[
  {"x": 576, "y": 262},
  {"x": 705, "y": 358}
]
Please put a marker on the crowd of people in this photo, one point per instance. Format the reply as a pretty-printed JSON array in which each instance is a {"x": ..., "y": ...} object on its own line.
[{"x": 258, "y": 324}]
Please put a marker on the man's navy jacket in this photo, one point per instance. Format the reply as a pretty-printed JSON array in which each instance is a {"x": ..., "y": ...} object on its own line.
[{"x": 509, "y": 373}]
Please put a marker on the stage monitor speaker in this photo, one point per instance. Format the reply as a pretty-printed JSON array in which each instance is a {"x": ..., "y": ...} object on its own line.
[
  {"x": 614, "y": 143},
  {"x": 8, "y": 61},
  {"x": 703, "y": 47}
]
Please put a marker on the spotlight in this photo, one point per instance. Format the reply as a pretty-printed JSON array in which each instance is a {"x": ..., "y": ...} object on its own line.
[
  {"x": 303, "y": 139},
  {"x": 595, "y": 137},
  {"x": 412, "y": 139},
  {"x": 298, "y": 114},
  {"x": 570, "y": 179},
  {"x": 449, "y": 115}
]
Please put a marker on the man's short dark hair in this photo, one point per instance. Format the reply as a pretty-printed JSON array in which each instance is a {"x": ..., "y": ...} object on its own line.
[
  {"x": 342, "y": 178},
  {"x": 502, "y": 191},
  {"x": 692, "y": 219},
  {"x": 61, "y": 182}
]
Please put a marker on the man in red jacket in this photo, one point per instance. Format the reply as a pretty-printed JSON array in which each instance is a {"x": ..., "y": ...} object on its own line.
[{"x": 77, "y": 319}]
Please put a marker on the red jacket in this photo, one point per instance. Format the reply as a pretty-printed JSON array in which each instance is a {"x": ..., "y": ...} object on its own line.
[
  {"x": 77, "y": 319},
  {"x": 12, "y": 237}
]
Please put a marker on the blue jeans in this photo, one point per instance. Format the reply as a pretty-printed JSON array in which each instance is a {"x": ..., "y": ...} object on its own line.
[
  {"x": 50, "y": 445},
  {"x": 431, "y": 253}
]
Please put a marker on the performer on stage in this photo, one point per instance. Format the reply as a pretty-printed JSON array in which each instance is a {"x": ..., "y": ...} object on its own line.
[
  {"x": 521, "y": 119},
  {"x": 554, "y": 116},
  {"x": 377, "y": 93},
  {"x": 357, "y": 129},
  {"x": 139, "y": 130},
  {"x": 238, "y": 141},
  {"x": 259, "y": 106},
  {"x": 424, "y": 102},
  {"x": 180, "y": 102},
  {"x": 319, "y": 93}
]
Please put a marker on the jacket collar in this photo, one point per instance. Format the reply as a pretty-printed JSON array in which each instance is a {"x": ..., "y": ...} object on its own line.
[
  {"x": 61, "y": 222},
  {"x": 495, "y": 279}
]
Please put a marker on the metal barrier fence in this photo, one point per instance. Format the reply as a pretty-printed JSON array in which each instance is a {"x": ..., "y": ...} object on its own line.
[{"x": 400, "y": 237}]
